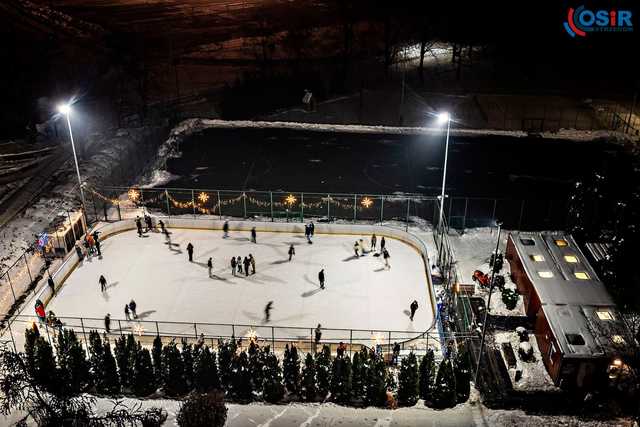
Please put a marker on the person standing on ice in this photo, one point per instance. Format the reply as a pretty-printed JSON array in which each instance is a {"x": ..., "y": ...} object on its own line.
[
  {"x": 126, "y": 312},
  {"x": 161, "y": 224},
  {"x": 39, "y": 307},
  {"x": 253, "y": 235},
  {"x": 239, "y": 264},
  {"x": 190, "y": 251},
  {"x": 233, "y": 265},
  {"x": 382, "y": 244},
  {"x": 356, "y": 246},
  {"x": 292, "y": 251},
  {"x": 312, "y": 228},
  {"x": 252, "y": 260},
  {"x": 374, "y": 241},
  {"x": 246, "y": 263},
  {"x": 103, "y": 283},
  {"x": 98, "y": 248},
  {"x": 321, "y": 278},
  {"x": 79, "y": 252},
  {"x": 267, "y": 311},
  {"x": 107, "y": 323},
  {"x": 148, "y": 222},
  {"x": 318, "y": 335},
  {"x": 307, "y": 233},
  {"x": 414, "y": 308},
  {"x": 210, "y": 265},
  {"x": 225, "y": 229},
  {"x": 132, "y": 308},
  {"x": 139, "y": 226},
  {"x": 52, "y": 285},
  {"x": 386, "y": 256}
]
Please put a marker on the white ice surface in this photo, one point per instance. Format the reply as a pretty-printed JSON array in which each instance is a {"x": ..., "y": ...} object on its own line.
[{"x": 359, "y": 294}]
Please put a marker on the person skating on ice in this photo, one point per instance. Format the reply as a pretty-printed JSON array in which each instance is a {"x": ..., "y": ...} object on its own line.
[
  {"x": 267, "y": 311},
  {"x": 374, "y": 241},
  {"x": 382, "y": 244},
  {"x": 386, "y": 256},
  {"x": 307, "y": 233},
  {"x": 126, "y": 312},
  {"x": 139, "y": 226},
  {"x": 132, "y": 308},
  {"x": 252, "y": 260},
  {"x": 414, "y": 308},
  {"x": 161, "y": 224},
  {"x": 225, "y": 229},
  {"x": 253, "y": 235},
  {"x": 103, "y": 283},
  {"x": 292, "y": 251},
  {"x": 233, "y": 265},
  {"x": 148, "y": 222},
  {"x": 318, "y": 335},
  {"x": 356, "y": 247},
  {"x": 246, "y": 262},
  {"x": 190, "y": 251},
  {"x": 107, "y": 323},
  {"x": 239, "y": 264},
  {"x": 210, "y": 265},
  {"x": 321, "y": 278},
  {"x": 312, "y": 228}
]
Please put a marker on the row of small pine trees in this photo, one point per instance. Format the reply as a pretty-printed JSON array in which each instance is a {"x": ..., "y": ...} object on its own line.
[{"x": 254, "y": 374}]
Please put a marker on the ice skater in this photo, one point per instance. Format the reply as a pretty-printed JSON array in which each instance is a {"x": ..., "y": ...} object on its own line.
[
  {"x": 149, "y": 222},
  {"x": 79, "y": 252},
  {"x": 292, "y": 251},
  {"x": 210, "y": 265},
  {"x": 126, "y": 312},
  {"x": 132, "y": 308},
  {"x": 103, "y": 283},
  {"x": 107, "y": 323},
  {"x": 252, "y": 260},
  {"x": 239, "y": 264},
  {"x": 374, "y": 241},
  {"x": 318, "y": 335},
  {"x": 233, "y": 265},
  {"x": 98, "y": 248},
  {"x": 190, "y": 251},
  {"x": 414, "y": 308},
  {"x": 246, "y": 263},
  {"x": 312, "y": 228},
  {"x": 321, "y": 278},
  {"x": 52, "y": 285},
  {"x": 386, "y": 256},
  {"x": 382, "y": 244},
  {"x": 139, "y": 226},
  {"x": 307, "y": 233},
  {"x": 267, "y": 311},
  {"x": 225, "y": 229},
  {"x": 253, "y": 235},
  {"x": 161, "y": 224},
  {"x": 356, "y": 247}
]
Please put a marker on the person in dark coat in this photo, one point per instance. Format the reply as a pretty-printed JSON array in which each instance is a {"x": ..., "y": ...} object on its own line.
[
  {"x": 132, "y": 308},
  {"x": 96, "y": 235},
  {"x": 190, "y": 251},
  {"x": 239, "y": 264},
  {"x": 246, "y": 263},
  {"x": 312, "y": 228},
  {"x": 374, "y": 241},
  {"x": 252, "y": 260},
  {"x": 307, "y": 233},
  {"x": 321, "y": 278},
  {"x": 148, "y": 222},
  {"x": 139, "y": 226},
  {"x": 233, "y": 265},
  {"x": 253, "y": 235},
  {"x": 161, "y": 224},
  {"x": 386, "y": 256},
  {"x": 356, "y": 247},
  {"x": 267, "y": 311},
  {"x": 107, "y": 323},
  {"x": 103, "y": 283},
  {"x": 318, "y": 334},
  {"x": 126, "y": 312},
  {"x": 414, "y": 308},
  {"x": 98, "y": 248},
  {"x": 210, "y": 265},
  {"x": 52, "y": 285},
  {"x": 79, "y": 252},
  {"x": 396, "y": 353},
  {"x": 292, "y": 251},
  {"x": 225, "y": 229},
  {"x": 382, "y": 244}
]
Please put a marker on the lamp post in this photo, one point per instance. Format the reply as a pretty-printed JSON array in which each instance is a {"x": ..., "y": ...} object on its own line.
[
  {"x": 65, "y": 109},
  {"x": 442, "y": 118}
]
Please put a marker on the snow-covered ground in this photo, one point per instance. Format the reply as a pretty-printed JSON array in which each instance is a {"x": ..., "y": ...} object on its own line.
[{"x": 360, "y": 293}]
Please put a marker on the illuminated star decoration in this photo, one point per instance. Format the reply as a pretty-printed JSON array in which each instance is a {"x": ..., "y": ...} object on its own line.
[
  {"x": 366, "y": 202},
  {"x": 138, "y": 329},
  {"x": 203, "y": 197},
  {"x": 290, "y": 200},
  {"x": 133, "y": 195},
  {"x": 251, "y": 334}
]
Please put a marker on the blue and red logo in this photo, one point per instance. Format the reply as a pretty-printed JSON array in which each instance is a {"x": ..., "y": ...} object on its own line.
[{"x": 581, "y": 21}]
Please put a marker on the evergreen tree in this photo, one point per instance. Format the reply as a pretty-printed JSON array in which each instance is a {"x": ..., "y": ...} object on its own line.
[
  {"x": 73, "y": 365},
  {"x": 187, "y": 363},
  {"x": 291, "y": 369},
  {"x": 156, "y": 357},
  {"x": 463, "y": 375},
  {"x": 323, "y": 371},
  {"x": 202, "y": 410},
  {"x": 444, "y": 388},
  {"x": 427, "y": 373},
  {"x": 273, "y": 389},
  {"x": 256, "y": 364},
  {"x": 205, "y": 371},
  {"x": 172, "y": 370},
  {"x": 408, "y": 381},
  {"x": 226, "y": 351},
  {"x": 376, "y": 394},
  {"x": 31, "y": 336},
  {"x": 341, "y": 379},
  {"x": 309, "y": 388},
  {"x": 102, "y": 365},
  {"x": 110, "y": 383},
  {"x": 45, "y": 372},
  {"x": 241, "y": 378},
  {"x": 123, "y": 358},
  {"x": 357, "y": 381},
  {"x": 143, "y": 383}
]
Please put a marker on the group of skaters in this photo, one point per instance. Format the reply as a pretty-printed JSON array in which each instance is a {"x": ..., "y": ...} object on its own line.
[
  {"x": 309, "y": 230},
  {"x": 237, "y": 264},
  {"x": 48, "y": 319},
  {"x": 148, "y": 222},
  {"x": 360, "y": 249},
  {"x": 129, "y": 313},
  {"x": 90, "y": 246}
]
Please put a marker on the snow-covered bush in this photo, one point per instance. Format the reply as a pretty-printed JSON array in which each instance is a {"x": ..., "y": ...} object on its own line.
[
  {"x": 203, "y": 409},
  {"x": 499, "y": 281},
  {"x": 522, "y": 334},
  {"x": 525, "y": 350},
  {"x": 510, "y": 298}
]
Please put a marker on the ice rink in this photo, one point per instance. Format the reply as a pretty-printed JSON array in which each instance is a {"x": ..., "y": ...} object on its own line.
[{"x": 360, "y": 293}]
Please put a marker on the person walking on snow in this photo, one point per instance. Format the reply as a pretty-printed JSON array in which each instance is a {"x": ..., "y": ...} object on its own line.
[
  {"x": 246, "y": 263},
  {"x": 382, "y": 244},
  {"x": 126, "y": 312},
  {"x": 413, "y": 307},
  {"x": 233, "y": 265},
  {"x": 210, "y": 265},
  {"x": 225, "y": 229},
  {"x": 356, "y": 246},
  {"x": 103, "y": 283},
  {"x": 252, "y": 260},
  {"x": 107, "y": 323},
  {"x": 190, "y": 251},
  {"x": 374, "y": 241},
  {"x": 139, "y": 226},
  {"x": 386, "y": 256},
  {"x": 292, "y": 251},
  {"x": 321, "y": 278},
  {"x": 267, "y": 311},
  {"x": 253, "y": 235},
  {"x": 132, "y": 308},
  {"x": 239, "y": 264}
]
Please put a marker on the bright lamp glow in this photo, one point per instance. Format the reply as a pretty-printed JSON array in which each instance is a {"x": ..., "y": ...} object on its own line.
[
  {"x": 443, "y": 117},
  {"x": 64, "y": 108}
]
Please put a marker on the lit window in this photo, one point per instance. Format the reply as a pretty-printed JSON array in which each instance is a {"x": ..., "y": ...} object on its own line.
[
  {"x": 617, "y": 339},
  {"x": 537, "y": 258},
  {"x": 604, "y": 315},
  {"x": 571, "y": 259},
  {"x": 582, "y": 275},
  {"x": 545, "y": 274},
  {"x": 561, "y": 242}
]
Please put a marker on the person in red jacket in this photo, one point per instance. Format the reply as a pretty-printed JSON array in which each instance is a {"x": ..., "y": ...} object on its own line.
[{"x": 40, "y": 311}]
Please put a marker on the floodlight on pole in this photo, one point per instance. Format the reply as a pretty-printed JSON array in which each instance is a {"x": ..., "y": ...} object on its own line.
[
  {"x": 443, "y": 118},
  {"x": 66, "y": 110}
]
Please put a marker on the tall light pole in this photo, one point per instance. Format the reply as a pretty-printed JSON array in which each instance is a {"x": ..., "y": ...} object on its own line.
[
  {"x": 442, "y": 118},
  {"x": 65, "y": 109}
]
